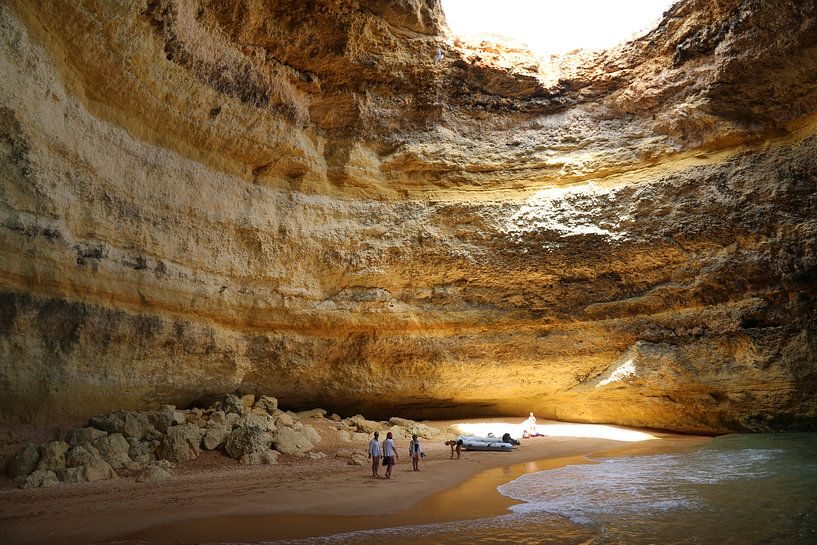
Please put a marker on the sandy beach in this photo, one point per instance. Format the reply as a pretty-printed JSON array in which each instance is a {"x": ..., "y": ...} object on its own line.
[{"x": 214, "y": 499}]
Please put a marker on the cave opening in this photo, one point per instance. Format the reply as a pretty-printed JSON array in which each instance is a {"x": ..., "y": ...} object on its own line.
[{"x": 554, "y": 28}]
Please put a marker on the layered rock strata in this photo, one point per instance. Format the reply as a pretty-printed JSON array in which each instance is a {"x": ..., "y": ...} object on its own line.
[{"x": 293, "y": 198}]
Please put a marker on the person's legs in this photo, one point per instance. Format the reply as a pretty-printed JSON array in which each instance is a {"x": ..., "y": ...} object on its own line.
[
  {"x": 388, "y": 469},
  {"x": 375, "y": 465},
  {"x": 415, "y": 462}
]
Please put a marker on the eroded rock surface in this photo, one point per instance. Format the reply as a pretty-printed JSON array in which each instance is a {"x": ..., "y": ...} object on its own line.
[{"x": 202, "y": 197}]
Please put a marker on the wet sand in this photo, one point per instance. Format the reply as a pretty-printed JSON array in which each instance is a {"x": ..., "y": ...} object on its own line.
[{"x": 213, "y": 499}]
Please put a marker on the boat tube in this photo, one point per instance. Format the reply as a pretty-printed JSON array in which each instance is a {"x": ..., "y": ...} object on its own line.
[{"x": 484, "y": 443}]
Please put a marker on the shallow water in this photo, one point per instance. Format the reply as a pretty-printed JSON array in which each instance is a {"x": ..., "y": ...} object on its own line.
[{"x": 738, "y": 489}]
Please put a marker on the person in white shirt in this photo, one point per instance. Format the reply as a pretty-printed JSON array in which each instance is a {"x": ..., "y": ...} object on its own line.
[
  {"x": 390, "y": 456},
  {"x": 415, "y": 451},
  {"x": 375, "y": 453}
]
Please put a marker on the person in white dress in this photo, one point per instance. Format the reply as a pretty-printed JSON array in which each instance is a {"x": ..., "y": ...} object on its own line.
[{"x": 529, "y": 426}]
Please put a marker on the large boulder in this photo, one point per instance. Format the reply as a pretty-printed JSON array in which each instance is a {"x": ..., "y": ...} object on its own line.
[
  {"x": 24, "y": 462},
  {"x": 290, "y": 441},
  {"x": 83, "y": 436},
  {"x": 41, "y": 478},
  {"x": 247, "y": 440},
  {"x": 181, "y": 443},
  {"x": 114, "y": 449},
  {"x": 267, "y": 404},
  {"x": 166, "y": 417},
  {"x": 258, "y": 420},
  {"x": 360, "y": 424},
  {"x": 95, "y": 469},
  {"x": 217, "y": 431},
  {"x": 138, "y": 426},
  {"x": 110, "y": 423},
  {"x": 53, "y": 456},
  {"x": 80, "y": 455},
  {"x": 283, "y": 420},
  {"x": 229, "y": 404}
]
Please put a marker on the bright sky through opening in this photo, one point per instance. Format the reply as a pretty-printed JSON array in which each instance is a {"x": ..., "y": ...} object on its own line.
[{"x": 555, "y": 26}]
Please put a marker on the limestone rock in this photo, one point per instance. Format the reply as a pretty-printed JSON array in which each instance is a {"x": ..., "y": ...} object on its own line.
[
  {"x": 113, "y": 449},
  {"x": 268, "y": 457},
  {"x": 95, "y": 469},
  {"x": 153, "y": 474},
  {"x": 358, "y": 459},
  {"x": 267, "y": 404},
  {"x": 230, "y": 404},
  {"x": 217, "y": 431},
  {"x": 247, "y": 440},
  {"x": 258, "y": 420},
  {"x": 311, "y": 434},
  {"x": 181, "y": 443},
  {"x": 312, "y": 413},
  {"x": 41, "y": 478},
  {"x": 247, "y": 400},
  {"x": 53, "y": 456},
  {"x": 80, "y": 455},
  {"x": 139, "y": 451},
  {"x": 283, "y": 420},
  {"x": 290, "y": 441},
  {"x": 83, "y": 436},
  {"x": 109, "y": 423},
  {"x": 25, "y": 461},
  {"x": 361, "y": 425}
]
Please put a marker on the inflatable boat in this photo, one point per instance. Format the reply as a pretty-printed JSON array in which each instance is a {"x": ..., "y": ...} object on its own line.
[{"x": 484, "y": 443}]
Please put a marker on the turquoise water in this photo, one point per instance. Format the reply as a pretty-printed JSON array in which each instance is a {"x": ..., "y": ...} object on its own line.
[{"x": 738, "y": 489}]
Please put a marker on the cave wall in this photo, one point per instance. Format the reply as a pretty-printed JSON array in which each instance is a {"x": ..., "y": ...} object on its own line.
[{"x": 293, "y": 199}]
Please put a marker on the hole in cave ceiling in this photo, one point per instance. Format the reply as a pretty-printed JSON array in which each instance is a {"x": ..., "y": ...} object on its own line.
[{"x": 554, "y": 27}]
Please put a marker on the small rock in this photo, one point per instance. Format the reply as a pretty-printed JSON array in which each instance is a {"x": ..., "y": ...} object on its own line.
[
  {"x": 218, "y": 429},
  {"x": 230, "y": 404},
  {"x": 247, "y": 440},
  {"x": 361, "y": 437},
  {"x": 96, "y": 469},
  {"x": 80, "y": 455},
  {"x": 113, "y": 449},
  {"x": 317, "y": 455},
  {"x": 262, "y": 420},
  {"x": 335, "y": 417},
  {"x": 267, "y": 404},
  {"x": 41, "y": 478},
  {"x": 312, "y": 413},
  {"x": 139, "y": 451},
  {"x": 110, "y": 423},
  {"x": 290, "y": 441},
  {"x": 138, "y": 426},
  {"x": 247, "y": 400},
  {"x": 358, "y": 459},
  {"x": 53, "y": 456},
  {"x": 82, "y": 436},
  {"x": 284, "y": 420},
  {"x": 312, "y": 434},
  {"x": 153, "y": 474},
  {"x": 181, "y": 443},
  {"x": 25, "y": 461},
  {"x": 270, "y": 457},
  {"x": 344, "y": 436}
]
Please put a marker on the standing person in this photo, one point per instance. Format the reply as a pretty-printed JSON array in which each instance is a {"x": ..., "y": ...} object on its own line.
[
  {"x": 375, "y": 453},
  {"x": 415, "y": 451},
  {"x": 390, "y": 456},
  {"x": 529, "y": 426}
]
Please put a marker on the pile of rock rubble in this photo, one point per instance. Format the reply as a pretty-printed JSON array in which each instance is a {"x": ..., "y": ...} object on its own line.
[{"x": 249, "y": 429}]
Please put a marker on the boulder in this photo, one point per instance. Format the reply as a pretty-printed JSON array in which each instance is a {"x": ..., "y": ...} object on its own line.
[
  {"x": 335, "y": 417},
  {"x": 360, "y": 424},
  {"x": 166, "y": 417},
  {"x": 181, "y": 443},
  {"x": 283, "y": 420},
  {"x": 80, "y": 455},
  {"x": 258, "y": 420},
  {"x": 24, "y": 462},
  {"x": 358, "y": 459},
  {"x": 229, "y": 404},
  {"x": 247, "y": 400},
  {"x": 312, "y": 434},
  {"x": 110, "y": 423},
  {"x": 41, "y": 478},
  {"x": 217, "y": 430},
  {"x": 399, "y": 432},
  {"x": 153, "y": 474},
  {"x": 138, "y": 426},
  {"x": 290, "y": 441},
  {"x": 269, "y": 457},
  {"x": 247, "y": 440},
  {"x": 84, "y": 436},
  {"x": 96, "y": 469},
  {"x": 52, "y": 456},
  {"x": 312, "y": 413},
  {"x": 139, "y": 451},
  {"x": 361, "y": 437},
  {"x": 196, "y": 417},
  {"x": 426, "y": 432},
  {"x": 266, "y": 403},
  {"x": 405, "y": 422},
  {"x": 114, "y": 449}
]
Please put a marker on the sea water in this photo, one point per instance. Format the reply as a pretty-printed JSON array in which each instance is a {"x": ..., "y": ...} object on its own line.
[{"x": 738, "y": 489}]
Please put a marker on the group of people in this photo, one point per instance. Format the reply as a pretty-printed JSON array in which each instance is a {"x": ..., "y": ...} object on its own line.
[{"x": 388, "y": 453}]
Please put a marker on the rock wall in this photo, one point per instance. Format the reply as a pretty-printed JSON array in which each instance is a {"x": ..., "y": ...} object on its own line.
[{"x": 292, "y": 198}]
